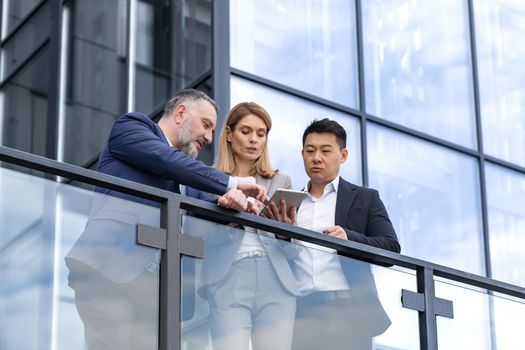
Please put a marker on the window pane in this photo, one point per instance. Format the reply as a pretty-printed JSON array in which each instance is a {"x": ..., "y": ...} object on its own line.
[
  {"x": 506, "y": 205},
  {"x": 290, "y": 116},
  {"x": 432, "y": 196},
  {"x": 173, "y": 47},
  {"x": 23, "y": 107},
  {"x": 499, "y": 32},
  {"x": 24, "y": 43},
  {"x": 96, "y": 89},
  {"x": 16, "y": 11},
  {"x": 417, "y": 66},
  {"x": 309, "y": 45}
]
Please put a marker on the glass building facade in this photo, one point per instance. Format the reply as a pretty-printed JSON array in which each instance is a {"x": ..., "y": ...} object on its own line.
[{"x": 430, "y": 93}]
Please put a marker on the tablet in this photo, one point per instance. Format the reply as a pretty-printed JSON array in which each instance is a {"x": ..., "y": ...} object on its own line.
[{"x": 291, "y": 197}]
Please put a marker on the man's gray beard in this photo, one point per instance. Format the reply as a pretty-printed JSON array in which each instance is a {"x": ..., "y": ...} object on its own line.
[{"x": 186, "y": 144}]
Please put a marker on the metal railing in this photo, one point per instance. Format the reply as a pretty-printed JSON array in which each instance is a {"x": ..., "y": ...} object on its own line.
[{"x": 174, "y": 244}]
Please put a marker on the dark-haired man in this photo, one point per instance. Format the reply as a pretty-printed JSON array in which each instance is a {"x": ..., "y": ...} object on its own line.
[{"x": 339, "y": 307}]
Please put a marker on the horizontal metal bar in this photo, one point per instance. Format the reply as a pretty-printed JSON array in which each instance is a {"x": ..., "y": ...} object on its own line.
[
  {"x": 212, "y": 211},
  {"x": 294, "y": 92},
  {"x": 347, "y": 248},
  {"x": 444, "y": 307},
  {"x": 416, "y": 301},
  {"x": 151, "y": 236},
  {"x": 192, "y": 246},
  {"x": 412, "y": 300},
  {"x": 372, "y": 118},
  {"x": 73, "y": 172},
  {"x": 505, "y": 164}
]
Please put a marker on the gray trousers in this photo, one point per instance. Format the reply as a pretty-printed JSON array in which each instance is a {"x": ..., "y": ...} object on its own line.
[
  {"x": 330, "y": 325},
  {"x": 120, "y": 316},
  {"x": 251, "y": 303}
]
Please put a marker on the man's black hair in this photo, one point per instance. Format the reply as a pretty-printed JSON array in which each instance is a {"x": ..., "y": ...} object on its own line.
[{"x": 327, "y": 126}]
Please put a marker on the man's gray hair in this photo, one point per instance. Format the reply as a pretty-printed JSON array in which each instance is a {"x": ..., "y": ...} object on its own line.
[{"x": 187, "y": 96}]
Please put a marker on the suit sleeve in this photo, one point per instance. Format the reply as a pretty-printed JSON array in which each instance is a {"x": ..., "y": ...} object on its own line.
[
  {"x": 379, "y": 230},
  {"x": 134, "y": 142}
]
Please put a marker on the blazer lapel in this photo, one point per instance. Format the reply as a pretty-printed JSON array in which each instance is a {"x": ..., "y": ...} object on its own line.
[
  {"x": 266, "y": 182},
  {"x": 345, "y": 199}
]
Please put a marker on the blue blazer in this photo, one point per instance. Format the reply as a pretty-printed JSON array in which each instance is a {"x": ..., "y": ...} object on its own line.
[
  {"x": 361, "y": 213},
  {"x": 136, "y": 150}
]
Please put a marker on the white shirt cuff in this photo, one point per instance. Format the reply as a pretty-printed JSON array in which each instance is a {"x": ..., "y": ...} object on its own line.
[{"x": 232, "y": 183}]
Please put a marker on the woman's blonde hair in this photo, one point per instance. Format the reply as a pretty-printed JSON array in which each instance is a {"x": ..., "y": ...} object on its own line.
[{"x": 227, "y": 162}]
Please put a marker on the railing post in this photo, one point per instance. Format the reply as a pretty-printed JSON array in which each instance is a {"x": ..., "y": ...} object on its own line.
[
  {"x": 170, "y": 272},
  {"x": 427, "y": 318}
]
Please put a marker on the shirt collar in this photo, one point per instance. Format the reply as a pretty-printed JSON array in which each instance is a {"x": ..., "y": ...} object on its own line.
[{"x": 331, "y": 186}]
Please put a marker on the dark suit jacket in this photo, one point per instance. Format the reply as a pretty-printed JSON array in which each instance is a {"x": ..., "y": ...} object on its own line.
[
  {"x": 362, "y": 214},
  {"x": 136, "y": 150}
]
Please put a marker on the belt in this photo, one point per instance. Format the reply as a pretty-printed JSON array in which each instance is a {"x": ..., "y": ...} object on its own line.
[
  {"x": 249, "y": 254},
  {"x": 326, "y": 296}
]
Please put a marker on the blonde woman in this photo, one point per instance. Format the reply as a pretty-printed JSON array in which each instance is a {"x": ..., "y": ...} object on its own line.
[{"x": 247, "y": 279}]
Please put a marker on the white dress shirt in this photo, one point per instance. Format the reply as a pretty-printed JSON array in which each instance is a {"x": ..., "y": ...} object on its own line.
[
  {"x": 317, "y": 268},
  {"x": 250, "y": 240}
]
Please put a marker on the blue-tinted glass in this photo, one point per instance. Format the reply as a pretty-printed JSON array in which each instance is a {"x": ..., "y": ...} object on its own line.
[
  {"x": 508, "y": 314},
  {"x": 432, "y": 196},
  {"x": 309, "y": 45},
  {"x": 471, "y": 327},
  {"x": 417, "y": 66},
  {"x": 214, "y": 287},
  {"x": 506, "y": 206},
  {"x": 500, "y": 25},
  {"x": 290, "y": 116},
  {"x": 53, "y": 296}
]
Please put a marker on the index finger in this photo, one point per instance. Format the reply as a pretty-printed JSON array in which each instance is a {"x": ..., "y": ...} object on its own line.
[
  {"x": 282, "y": 207},
  {"x": 330, "y": 229}
]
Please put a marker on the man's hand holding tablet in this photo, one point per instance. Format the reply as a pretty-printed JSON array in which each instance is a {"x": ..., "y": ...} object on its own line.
[{"x": 283, "y": 205}]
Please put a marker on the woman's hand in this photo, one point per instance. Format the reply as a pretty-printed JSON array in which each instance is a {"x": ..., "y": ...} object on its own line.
[{"x": 253, "y": 190}]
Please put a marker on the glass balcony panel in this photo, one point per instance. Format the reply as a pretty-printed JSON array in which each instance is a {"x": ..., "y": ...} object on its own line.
[
  {"x": 432, "y": 197},
  {"x": 500, "y": 51},
  {"x": 268, "y": 276},
  {"x": 508, "y": 327},
  {"x": 71, "y": 271},
  {"x": 290, "y": 116},
  {"x": 481, "y": 320},
  {"x": 307, "y": 45},
  {"x": 417, "y": 69}
]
